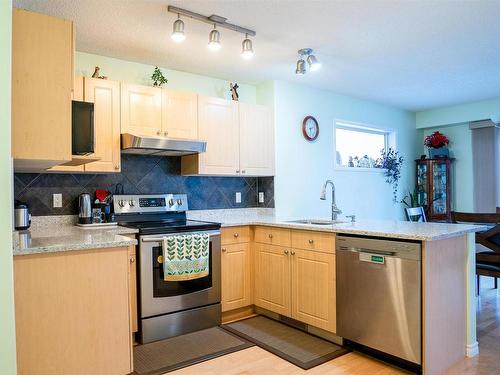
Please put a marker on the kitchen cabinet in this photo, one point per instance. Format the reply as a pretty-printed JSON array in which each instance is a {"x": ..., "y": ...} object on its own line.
[
  {"x": 141, "y": 110},
  {"x": 273, "y": 278},
  {"x": 42, "y": 83},
  {"x": 240, "y": 140},
  {"x": 105, "y": 95},
  {"x": 256, "y": 140},
  {"x": 313, "y": 288},
  {"x": 236, "y": 276},
  {"x": 72, "y": 312},
  {"x": 132, "y": 282},
  {"x": 180, "y": 114},
  {"x": 218, "y": 126}
]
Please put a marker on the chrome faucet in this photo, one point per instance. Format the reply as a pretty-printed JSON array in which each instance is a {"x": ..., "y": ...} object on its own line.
[{"x": 335, "y": 209}]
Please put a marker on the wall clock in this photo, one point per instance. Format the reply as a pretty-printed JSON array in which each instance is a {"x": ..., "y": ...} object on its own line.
[{"x": 310, "y": 128}]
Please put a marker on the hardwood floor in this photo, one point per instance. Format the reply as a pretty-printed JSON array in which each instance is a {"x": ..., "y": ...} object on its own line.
[{"x": 255, "y": 361}]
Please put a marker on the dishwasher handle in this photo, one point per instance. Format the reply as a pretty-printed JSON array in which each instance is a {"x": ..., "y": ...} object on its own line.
[{"x": 370, "y": 251}]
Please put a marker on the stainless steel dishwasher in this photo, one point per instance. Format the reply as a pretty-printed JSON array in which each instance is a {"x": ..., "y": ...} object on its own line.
[{"x": 379, "y": 295}]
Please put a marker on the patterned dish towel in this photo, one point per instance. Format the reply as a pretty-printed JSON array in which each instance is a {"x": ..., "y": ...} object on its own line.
[{"x": 186, "y": 257}]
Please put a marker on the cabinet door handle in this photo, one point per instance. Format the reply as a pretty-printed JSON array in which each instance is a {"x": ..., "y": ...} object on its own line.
[
  {"x": 270, "y": 235},
  {"x": 236, "y": 235},
  {"x": 311, "y": 241},
  {"x": 286, "y": 251},
  {"x": 243, "y": 171},
  {"x": 158, "y": 132},
  {"x": 292, "y": 252},
  {"x": 116, "y": 167},
  {"x": 237, "y": 171},
  {"x": 132, "y": 259},
  {"x": 223, "y": 249},
  {"x": 165, "y": 133}
]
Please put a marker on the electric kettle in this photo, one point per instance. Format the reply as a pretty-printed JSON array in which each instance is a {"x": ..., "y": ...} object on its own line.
[{"x": 22, "y": 216}]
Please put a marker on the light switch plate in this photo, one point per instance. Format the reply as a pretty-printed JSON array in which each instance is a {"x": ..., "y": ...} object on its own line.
[
  {"x": 57, "y": 200},
  {"x": 261, "y": 197},
  {"x": 238, "y": 197}
]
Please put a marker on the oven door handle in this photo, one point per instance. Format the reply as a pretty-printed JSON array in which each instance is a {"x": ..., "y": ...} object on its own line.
[{"x": 160, "y": 239}]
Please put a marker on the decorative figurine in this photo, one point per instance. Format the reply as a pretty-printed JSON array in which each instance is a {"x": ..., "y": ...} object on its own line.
[
  {"x": 96, "y": 73},
  {"x": 234, "y": 92},
  {"x": 158, "y": 77}
]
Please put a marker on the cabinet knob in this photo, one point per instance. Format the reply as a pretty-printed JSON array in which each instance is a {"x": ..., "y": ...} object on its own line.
[
  {"x": 236, "y": 235},
  {"x": 243, "y": 171},
  {"x": 286, "y": 251},
  {"x": 237, "y": 171},
  {"x": 158, "y": 132},
  {"x": 224, "y": 249},
  {"x": 270, "y": 235},
  {"x": 292, "y": 252},
  {"x": 165, "y": 133},
  {"x": 117, "y": 167},
  {"x": 311, "y": 241},
  {"x": 132, "y": 259}
]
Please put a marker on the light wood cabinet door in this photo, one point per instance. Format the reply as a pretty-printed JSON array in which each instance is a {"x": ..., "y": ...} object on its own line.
[
  {"x": 132, "y": 281},
  {"x": 218, "y": 126},
  {"x": 236, "y": 276},
  {"x": 180, "y": 114},
  {"x": 141, "y": 110},
  {"x": 106, "y": 98},
  {"x": 272, "y": 278},
  {"x": 42, "y": 83},
  {"x": 72, "y": 313},
  {"x": 313, "y": 288},
  {"x": 256, "y": 140}
]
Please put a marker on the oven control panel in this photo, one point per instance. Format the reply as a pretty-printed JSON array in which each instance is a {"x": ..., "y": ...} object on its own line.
[{"x": 124, "y": 204}]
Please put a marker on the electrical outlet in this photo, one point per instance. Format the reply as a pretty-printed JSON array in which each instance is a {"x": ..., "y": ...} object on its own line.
[
  {"x": 57, "y": 200},
  {"x": 261, "y": 197},
  {"x": 238, "y": 197}
]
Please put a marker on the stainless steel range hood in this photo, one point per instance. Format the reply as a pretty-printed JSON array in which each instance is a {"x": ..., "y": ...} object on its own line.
[{"x": 134, "y": 144}]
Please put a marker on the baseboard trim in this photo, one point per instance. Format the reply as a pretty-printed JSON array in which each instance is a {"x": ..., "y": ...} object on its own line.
[{"x": 472, "y": 349}]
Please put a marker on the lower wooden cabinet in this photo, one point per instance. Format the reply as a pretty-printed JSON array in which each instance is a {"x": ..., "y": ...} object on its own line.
[
  {"x": 272, "y": 278},
  {"x": 72, "y": 312},
  {"x": 236, "y": 276},
  {"x": 132, "y": 282},
  {"x": 313, "y": 288}
]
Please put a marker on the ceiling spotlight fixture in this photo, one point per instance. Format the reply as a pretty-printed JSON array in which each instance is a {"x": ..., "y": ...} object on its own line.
[
  {"x": 214, "y": 40},
  {"x": 178, "y": 33},
  {"x": 214, "y": 36},
  {"x": 314, "y": 64},
  {"x": 246, "y": 48}
]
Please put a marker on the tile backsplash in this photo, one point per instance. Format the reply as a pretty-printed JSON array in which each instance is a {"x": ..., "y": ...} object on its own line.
[{"x": 141, "y": 175}]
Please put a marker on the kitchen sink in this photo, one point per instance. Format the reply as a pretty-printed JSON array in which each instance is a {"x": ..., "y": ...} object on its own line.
[{"x": 317, "y": 222}]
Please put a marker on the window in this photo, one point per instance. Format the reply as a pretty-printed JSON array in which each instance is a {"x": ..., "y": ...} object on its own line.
[{"x": 358, "y": 146}]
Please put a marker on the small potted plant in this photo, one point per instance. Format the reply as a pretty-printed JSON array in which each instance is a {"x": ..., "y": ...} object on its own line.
[
  {"x": 158, "y": 78},
  {"x": 437, "y": 144}
]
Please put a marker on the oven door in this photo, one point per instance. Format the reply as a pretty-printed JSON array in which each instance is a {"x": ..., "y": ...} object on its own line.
[{"x": 158, "y": 296}]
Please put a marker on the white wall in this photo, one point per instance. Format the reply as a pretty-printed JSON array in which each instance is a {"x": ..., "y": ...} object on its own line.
[
  {"x": 7, "y": 329},
  {"x": 302, "y": 167}
]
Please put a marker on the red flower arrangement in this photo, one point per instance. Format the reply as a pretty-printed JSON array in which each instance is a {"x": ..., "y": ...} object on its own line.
[{"x": 436, "y": 140}]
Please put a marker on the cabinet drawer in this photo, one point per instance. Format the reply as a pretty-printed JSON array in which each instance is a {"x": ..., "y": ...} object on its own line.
[
  {"x": 235, "y": 235},
  {"x": 309, "y": 240},
  {"x": 272, "y": 236}
]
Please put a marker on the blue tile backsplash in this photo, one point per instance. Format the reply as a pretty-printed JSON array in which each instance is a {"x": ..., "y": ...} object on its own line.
[{"x": 141, "y": 175}]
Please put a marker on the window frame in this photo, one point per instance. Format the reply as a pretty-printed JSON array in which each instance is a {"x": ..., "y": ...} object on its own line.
[{"x": 389, "y": 141}]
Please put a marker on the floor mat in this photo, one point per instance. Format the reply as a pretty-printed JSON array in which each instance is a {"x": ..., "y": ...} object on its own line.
[
  {"x": 293, "y": 345},
  {"x": 174, "y": 353}
]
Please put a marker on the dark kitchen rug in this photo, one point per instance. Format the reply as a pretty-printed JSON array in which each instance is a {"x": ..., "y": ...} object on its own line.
[
  {"x": 293, "y": 345},
  {"x": 174, "y": 353}
]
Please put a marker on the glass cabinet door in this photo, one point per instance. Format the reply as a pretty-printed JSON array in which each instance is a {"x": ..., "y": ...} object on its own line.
[
  {"x": 422, "y": 184},
  {"x": 439, "y": 188}
]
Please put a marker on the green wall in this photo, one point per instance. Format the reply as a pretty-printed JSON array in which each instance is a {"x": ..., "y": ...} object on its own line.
[
  {"x": 7, "y": 330},
  {"x": 460, "y": 147},
  {"x": 457, "y": 114},
  {"x": 121, "y": 70}
]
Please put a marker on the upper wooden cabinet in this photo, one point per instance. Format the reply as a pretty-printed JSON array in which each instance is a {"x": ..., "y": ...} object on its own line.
[
  {"x": 240, "y": 139},
  {"x": 106, "y": 98},
  {"x": 218, "y": 126},
  {"x": 42, "y": 82},
  {"x": 141, "y": 110},
  {"x": 256, "y": 140},
  {"x": 180, "y": 114}
]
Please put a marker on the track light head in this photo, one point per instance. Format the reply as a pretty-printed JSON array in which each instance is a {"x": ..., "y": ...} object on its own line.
[
  {"x": 246, "y": 48},
  {"x": 178, "y": 33},
  {"x": 313, "y": 62},
  {"x": 214, "y": 40},
  {"x": 307, "y": 53},
  {"x": 301, "y": 67}
]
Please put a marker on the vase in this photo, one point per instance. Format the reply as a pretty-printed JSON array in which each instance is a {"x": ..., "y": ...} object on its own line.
[{"x": 441, "y": 152}]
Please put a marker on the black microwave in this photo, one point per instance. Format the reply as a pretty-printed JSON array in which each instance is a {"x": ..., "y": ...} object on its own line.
[{"x": 82, "y": 127}]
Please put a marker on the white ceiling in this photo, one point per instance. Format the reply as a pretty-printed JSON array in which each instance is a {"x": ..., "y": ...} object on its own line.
[{"x": 410, "y": 54}]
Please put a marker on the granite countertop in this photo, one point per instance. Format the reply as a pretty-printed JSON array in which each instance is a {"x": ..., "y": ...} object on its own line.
[
  {"x": 58, "y": 233},
  {"x": 379, "y": 228}
]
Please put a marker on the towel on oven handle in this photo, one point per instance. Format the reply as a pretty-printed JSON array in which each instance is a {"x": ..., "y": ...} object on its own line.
[{"x": 186, "y": 257}]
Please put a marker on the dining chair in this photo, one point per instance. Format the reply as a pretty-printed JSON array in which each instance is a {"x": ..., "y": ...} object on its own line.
[
  {"x": 415, "y": 214},
  {"x": 487, "y": 260}
]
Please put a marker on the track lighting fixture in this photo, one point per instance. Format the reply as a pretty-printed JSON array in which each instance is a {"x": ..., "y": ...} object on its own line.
[
  {"x": 178, "y": 33},
  {"x": 214, "y": 40},
  {"x": 312, "y": 61},
  {"x": 214, "y": 43},
  {"x": 246, "y": 48}
]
